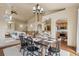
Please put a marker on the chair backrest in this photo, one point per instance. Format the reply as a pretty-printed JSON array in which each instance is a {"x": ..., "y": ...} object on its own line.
[
  {"x": 58, "y": 43},
  {"x": 22, "y": 40},
  {"x": 29, "y": 41}
]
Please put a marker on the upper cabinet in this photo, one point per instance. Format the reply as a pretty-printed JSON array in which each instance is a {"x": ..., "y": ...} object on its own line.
[{"x": 61, "y": 24}]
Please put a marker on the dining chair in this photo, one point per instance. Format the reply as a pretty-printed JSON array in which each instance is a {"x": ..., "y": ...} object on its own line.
[
  {"x": 55, "y": 50},
  {"x": 32, "y": 48},
  {"x": 24, "y": 44}
]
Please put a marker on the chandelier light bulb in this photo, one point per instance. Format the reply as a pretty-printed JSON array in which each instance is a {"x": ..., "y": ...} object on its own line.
[
  {"x": 38, "y": 7},
  {"x": 42, "y": 9},
  {"x": 34, "y": 8}
]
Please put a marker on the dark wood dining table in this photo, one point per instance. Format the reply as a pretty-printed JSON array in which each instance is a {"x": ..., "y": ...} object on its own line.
[{"x": 44, "y": 43}]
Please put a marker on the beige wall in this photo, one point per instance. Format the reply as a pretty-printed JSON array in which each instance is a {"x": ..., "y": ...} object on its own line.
[
  {"x": 72, "y": 25},
  {"x": 3, "y": 27},
  {"x": 31, "y": 24},
  {"x": 17, "y": 25}
]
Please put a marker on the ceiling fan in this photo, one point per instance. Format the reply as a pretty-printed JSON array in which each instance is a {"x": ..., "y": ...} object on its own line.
[
  {"x": 9, "y": 13},
  {"x": 12, "y": 10}
]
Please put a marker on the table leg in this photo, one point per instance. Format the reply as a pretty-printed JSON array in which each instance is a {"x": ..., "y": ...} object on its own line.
[{"x": 43, "y": 51}]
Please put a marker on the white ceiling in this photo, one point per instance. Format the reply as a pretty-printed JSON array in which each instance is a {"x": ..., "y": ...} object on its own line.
[{"x": 24, "y": 10}]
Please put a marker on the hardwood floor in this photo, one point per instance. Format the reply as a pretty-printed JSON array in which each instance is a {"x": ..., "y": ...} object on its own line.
[{"x": 65, "y": 47}]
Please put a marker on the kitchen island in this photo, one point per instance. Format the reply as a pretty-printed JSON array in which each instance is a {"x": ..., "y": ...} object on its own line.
[{"x": 6, "y": 43}]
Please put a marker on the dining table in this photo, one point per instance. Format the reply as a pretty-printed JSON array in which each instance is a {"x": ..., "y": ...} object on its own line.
[{"x": 43, "y": 42}]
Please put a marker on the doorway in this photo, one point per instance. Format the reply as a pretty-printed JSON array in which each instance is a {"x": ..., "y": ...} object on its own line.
[{"x": 62, "y": 32}]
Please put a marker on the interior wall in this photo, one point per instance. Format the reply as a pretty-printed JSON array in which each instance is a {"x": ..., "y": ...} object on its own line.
[
  {"x": 3, "y": 28},
  {"x": 15, "y": 27},
  {"x": 72, "y": 25},
  {"x": 18, "y": 25},
  {"x": 31, "y": 24}
]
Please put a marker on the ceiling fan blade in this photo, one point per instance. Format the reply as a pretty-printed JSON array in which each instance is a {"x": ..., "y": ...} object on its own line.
[{"x": 13, "y": 12}]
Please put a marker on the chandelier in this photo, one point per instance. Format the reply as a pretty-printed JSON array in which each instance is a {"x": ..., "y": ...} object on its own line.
[{"x": 37, "y": 9}]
